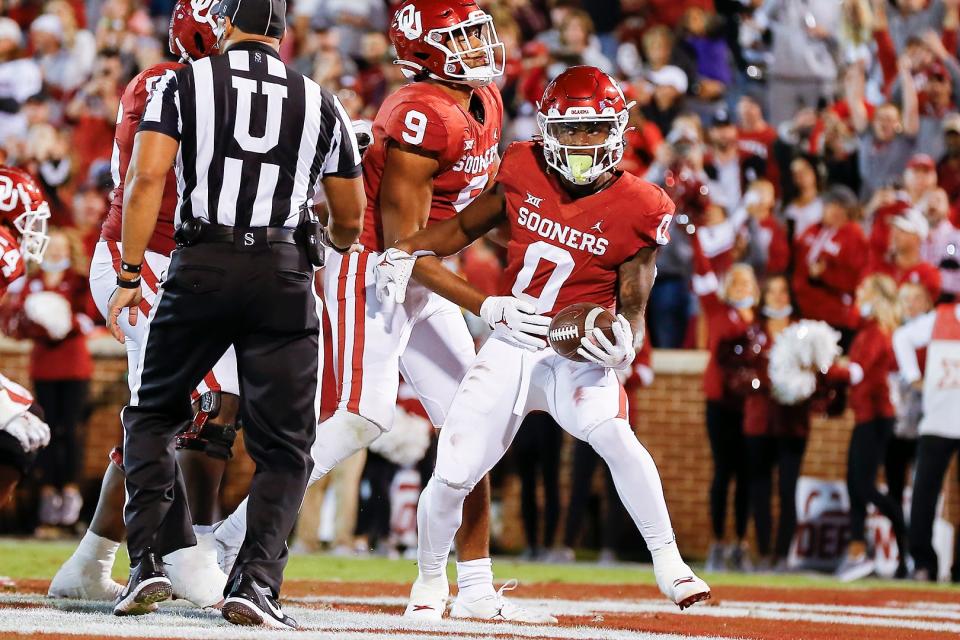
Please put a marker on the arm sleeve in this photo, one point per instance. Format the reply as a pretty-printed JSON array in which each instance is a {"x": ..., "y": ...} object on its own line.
[
  {"x": 887, "y": 57},
  {"x": 907, "y": 339},
  {"x": 162, "y": 112},
  {"x": 343, "y": 157}
]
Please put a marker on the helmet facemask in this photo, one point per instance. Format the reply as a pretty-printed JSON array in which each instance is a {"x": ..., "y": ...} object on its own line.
[
  {"x": 582, "y": 164},
  {"x": 457, "y": 44},
  {"x": 32, "y": 226}
]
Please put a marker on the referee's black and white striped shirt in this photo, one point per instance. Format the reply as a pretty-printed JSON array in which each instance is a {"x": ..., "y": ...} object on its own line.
[{"x": 255, "y": 137}]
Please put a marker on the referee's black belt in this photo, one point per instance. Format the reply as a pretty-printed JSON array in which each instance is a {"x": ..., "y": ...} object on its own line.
[{"x": 193, "y": 232}]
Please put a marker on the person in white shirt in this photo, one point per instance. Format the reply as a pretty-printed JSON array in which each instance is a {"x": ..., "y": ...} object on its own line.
[{"x": 939, "y": 332}]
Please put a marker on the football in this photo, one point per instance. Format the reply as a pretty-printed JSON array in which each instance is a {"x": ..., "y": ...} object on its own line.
[{"x": 575, "y": 322}]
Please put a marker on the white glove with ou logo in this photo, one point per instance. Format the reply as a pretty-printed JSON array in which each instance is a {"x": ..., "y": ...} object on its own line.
[
  {"x": 392, "y": 274},
  {"x": 520, "y": 319},
  {"x": 30, "y": 431},
  {"x": 607, "y": 354}
]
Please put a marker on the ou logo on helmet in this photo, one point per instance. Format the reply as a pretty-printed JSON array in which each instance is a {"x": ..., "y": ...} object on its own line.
[
  {"x": 9, "y": 194},
  {"x": 408, "y": 22}
]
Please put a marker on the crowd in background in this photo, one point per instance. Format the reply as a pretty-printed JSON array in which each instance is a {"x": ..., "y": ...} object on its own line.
[{"x": 812, "y": 147}]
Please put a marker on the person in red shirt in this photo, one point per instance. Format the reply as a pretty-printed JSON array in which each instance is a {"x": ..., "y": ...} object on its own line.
[
  {"x": 580, "y": 231},
  {"x": 768, "y": 233},
  {"x": 755, "y": 136},
  {"x": 920, "y": 183},
  {"x": 829, "y": 259},
  {"x": 729, "y": 311},
  {"x": 50, "y": 312},
  {"x": 909, "y": 230},
  {"x": 871, "y": 361}
]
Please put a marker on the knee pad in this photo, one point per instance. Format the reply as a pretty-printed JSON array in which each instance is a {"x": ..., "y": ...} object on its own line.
[{"x": 338, "y": 438}]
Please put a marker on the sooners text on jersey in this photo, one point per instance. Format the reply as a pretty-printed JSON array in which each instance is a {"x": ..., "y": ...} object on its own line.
[
  {"x": 422, "y": 115},
  {"x": 564, "y": 250},
  {"x": 132, "y": 103}
]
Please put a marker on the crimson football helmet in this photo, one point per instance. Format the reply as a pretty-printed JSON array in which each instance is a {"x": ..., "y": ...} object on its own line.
[
  {"x": 24, "y": 209},
  {"x": 452, "y": 40},
  {"x": 193, "y": 30},
  {"x": 583, "y": 95}
]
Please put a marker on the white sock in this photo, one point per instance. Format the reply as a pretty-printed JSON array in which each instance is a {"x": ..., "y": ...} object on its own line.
[
  {"x": 94, "y": 548},
  {"x": 233, "y": 530},
  {"x": 637, "y": 480},
  {"x": 439, "y": 514},
  {"x": 475, "y": 578}
]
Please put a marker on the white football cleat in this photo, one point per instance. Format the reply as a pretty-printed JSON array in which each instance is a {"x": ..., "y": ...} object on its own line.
[
  {"x": 676, "y": 580},
  {"x": 195, "y": 574},
  {"x": 428, "y": 600},
  {"x": 86, "y": 575},
  {"x": 81, "y": 579},
  {"x": 498, "y": 607}
]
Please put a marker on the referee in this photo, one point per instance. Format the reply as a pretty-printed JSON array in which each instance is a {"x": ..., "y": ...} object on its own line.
[{"x": 251, "y": 139}]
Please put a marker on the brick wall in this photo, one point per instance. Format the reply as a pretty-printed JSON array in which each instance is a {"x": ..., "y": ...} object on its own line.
[{"x": 668, "y": 417}]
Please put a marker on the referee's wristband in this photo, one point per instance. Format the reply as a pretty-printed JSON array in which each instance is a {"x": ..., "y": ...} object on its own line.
[
  {"x": 126, "y": 267},
  {"x": 128, "y": 284}
]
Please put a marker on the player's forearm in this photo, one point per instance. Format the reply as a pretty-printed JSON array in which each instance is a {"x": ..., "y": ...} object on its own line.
[
  {"x": 442, "y": 239},
  {"x": 430, "y": 272},
  {"x": 141, "y": 206},
  {"x": 636, "y": 283}
]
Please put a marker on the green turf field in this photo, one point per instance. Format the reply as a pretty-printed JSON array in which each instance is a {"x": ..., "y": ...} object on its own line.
[{"x": 40, "y": 560}]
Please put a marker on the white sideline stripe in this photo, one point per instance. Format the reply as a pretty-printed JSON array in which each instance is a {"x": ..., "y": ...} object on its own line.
[
  {"x": 591, "y": 607},
  {"x": 94, "y": 618}
]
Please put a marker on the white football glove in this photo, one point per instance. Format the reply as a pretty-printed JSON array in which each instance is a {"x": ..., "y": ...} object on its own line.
[
  {"x": 606, "y": 353},
  {"x": 392, "y": 274},
  {"x": 32, "y": 432},
  {"x": 520, "y": 319}
]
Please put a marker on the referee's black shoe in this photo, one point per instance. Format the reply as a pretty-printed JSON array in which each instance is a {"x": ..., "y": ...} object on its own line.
[
  {"x": 250, "y": 604},
  {"x": 148, "y": 585}
]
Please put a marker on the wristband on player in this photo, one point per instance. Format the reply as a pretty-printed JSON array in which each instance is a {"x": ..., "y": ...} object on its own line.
[
  {"x": 128, "y": 284},
  {"x": 126, "y": 267}
]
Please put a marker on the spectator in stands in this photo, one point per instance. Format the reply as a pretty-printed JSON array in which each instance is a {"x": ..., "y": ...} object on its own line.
[
  {"x": 775, "y": 435},
  {"x": 577, "y": 44},
  {"x": 942, "y": 246},
  {"x": 60, "y": 367},
  {"x": 704, "y": 38},
  {"x": 728, "y": 170},
  {"x": 729, "y": 311},
  {"x": 829, "y": 259},
  {"x": 871, "y": 362},
  {"x": 766, "y": 232},
  {"x": 665, "y": 101},
  {"x": 913, "y": 18},
  {"x": 906, "y": 264},
  {"x": 887, "y": 144},
  {"x": 80, "y": 43},
  {"x": 948, "y": 166},
  {"x": 94, "y": 111},
  {"x": 755, "y": 136},
  {"x": 938, "y": 96},
  {"x": 20, "y": 78},
  {"x": 61, "y": 73},
  {"x": 803, "y": 70},
  {"x": 806, "y": 208}
]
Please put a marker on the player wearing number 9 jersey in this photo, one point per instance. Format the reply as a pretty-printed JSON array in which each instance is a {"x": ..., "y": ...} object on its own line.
[
  {"x": 579, "y": 231},
  {"x": 434, "y": 151}
]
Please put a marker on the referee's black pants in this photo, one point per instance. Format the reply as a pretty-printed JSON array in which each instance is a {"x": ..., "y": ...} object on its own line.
[
  {"x": 261, "y": 301},
  {"x": 933, "y": 459}
]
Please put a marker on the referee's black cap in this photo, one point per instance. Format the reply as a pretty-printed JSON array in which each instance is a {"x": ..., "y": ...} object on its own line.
[{"x": 262, "y": 17}]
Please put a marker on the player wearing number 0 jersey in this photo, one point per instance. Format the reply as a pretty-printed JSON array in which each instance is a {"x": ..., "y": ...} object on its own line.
[
  {"x": 87, "y": 573},
  {"x": 434, "y": 151},
  {"x": 580, "y": 231}
]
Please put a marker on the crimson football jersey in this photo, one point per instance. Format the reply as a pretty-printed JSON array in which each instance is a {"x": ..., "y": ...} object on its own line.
[
  {"x": 11, "y": 262},
  {"x": 422, "y": 115},
  {"x": 564, "y": 250},
  {"x": 132, "y": 103}
]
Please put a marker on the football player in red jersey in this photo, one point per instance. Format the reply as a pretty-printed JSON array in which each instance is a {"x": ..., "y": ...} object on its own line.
[
  {"x": 203, "y": 449},
  {"x": 579, "y": 231},
  {"x": 23, "y": 237},
  {"x": 434, "y": 151}
]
